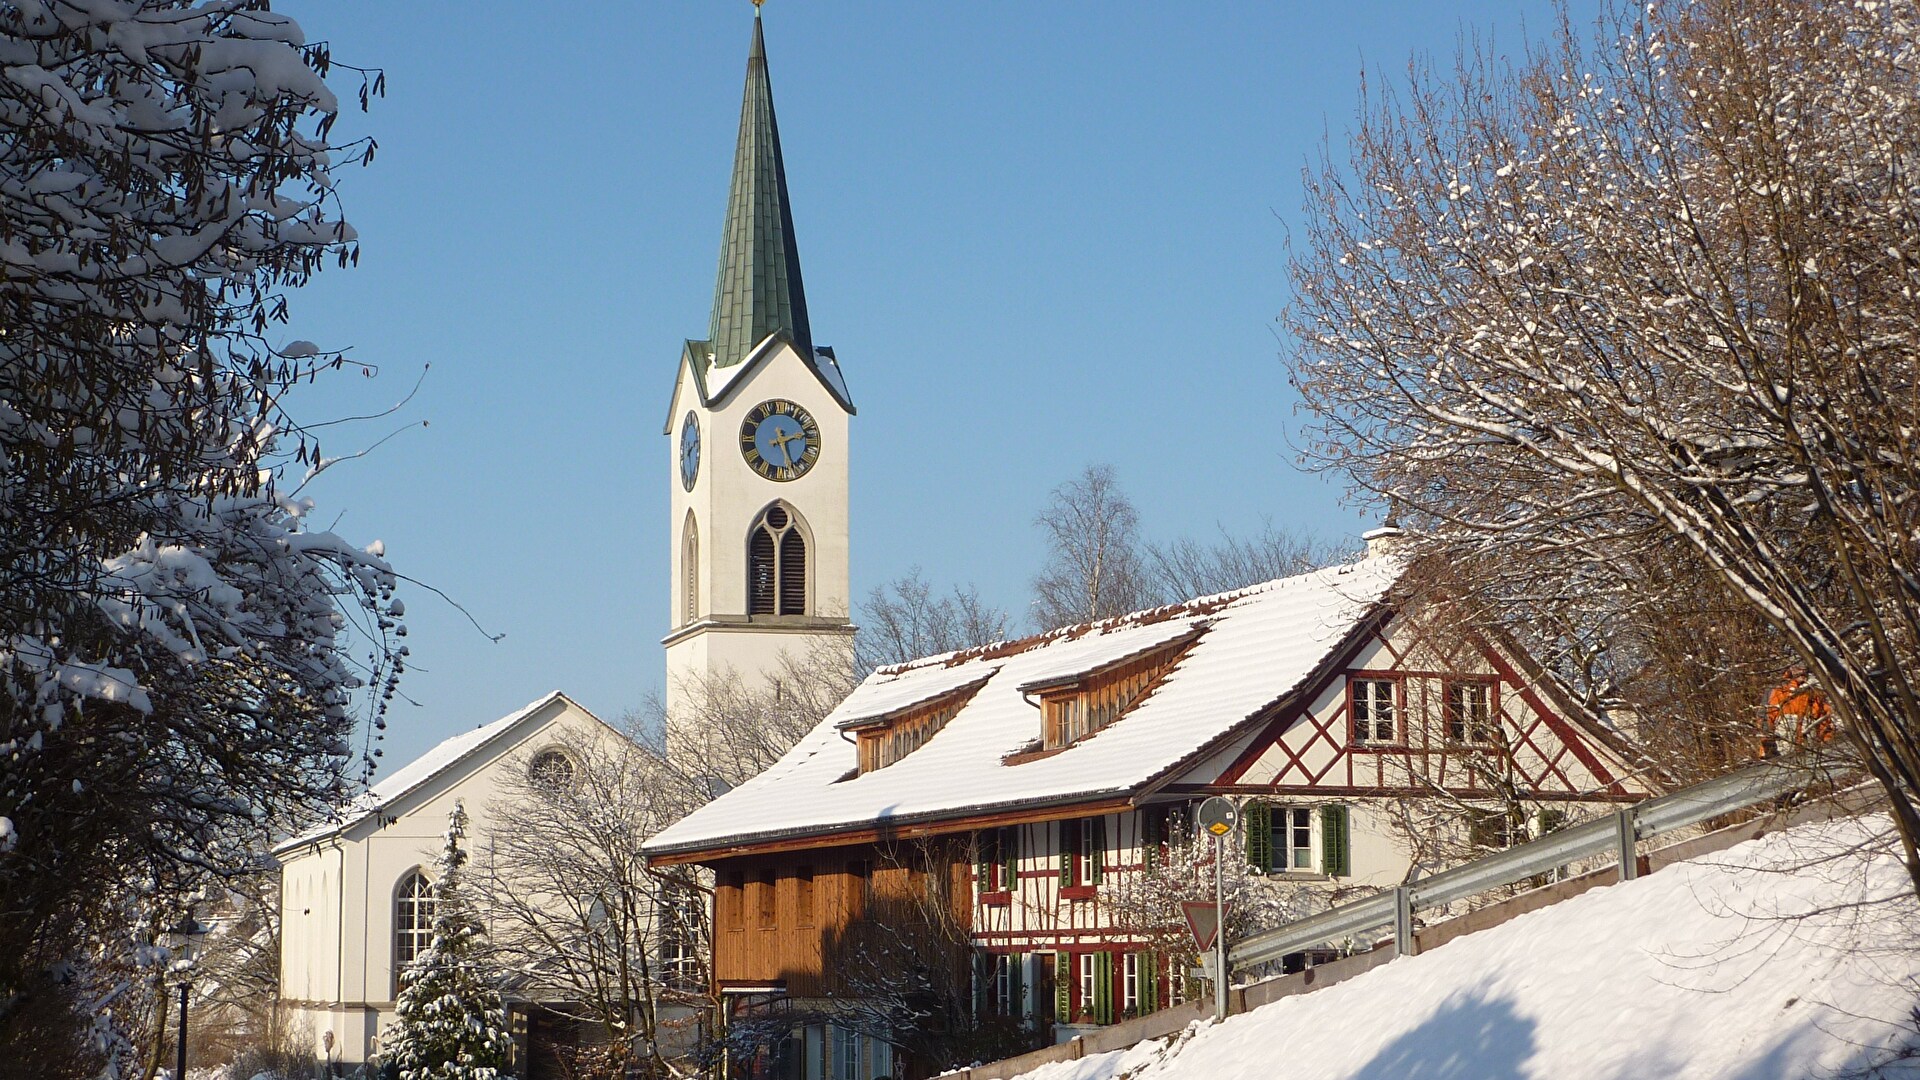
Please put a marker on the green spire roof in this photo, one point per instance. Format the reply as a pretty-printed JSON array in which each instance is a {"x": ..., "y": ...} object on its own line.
[{"x": 758, "y": 291}]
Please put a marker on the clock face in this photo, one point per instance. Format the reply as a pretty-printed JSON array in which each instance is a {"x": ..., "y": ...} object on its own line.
[
  {"x": 780, "y": 440},
  {"x": 689, "y": 451}
]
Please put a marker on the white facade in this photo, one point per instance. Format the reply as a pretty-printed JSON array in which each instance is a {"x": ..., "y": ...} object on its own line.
[
  {"x": 714, "y": 634},
  {"x": 339, "y": 885}
]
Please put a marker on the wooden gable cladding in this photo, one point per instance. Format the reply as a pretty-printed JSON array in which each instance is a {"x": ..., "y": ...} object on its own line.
[
  {"x": 1073, "y": 708},
  {"x": 816, "y": 922},
  {"x": 884, "y": 740},
  {"x": 1418, "y": 706}
]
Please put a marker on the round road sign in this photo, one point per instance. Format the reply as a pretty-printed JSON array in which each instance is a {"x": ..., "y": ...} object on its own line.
[{"x": 1218, "y": 816}]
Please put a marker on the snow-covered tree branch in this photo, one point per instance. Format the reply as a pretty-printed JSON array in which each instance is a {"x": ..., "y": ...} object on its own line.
[
  {"x": 1647, "y": 302},
  {"x": 182, "y": 657}
]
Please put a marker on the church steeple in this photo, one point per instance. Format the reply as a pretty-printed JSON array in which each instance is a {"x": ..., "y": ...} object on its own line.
[{"x": 759, "y": 290}]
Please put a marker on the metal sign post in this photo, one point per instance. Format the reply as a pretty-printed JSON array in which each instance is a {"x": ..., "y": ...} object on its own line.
[{"x": 1217, "y": 817}]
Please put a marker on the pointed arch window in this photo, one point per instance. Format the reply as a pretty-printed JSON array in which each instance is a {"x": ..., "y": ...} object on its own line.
[
  {"x": 412, "y": 920},
  {"x": 690, "y": 570},
  {"x": 777, "y": 563}
]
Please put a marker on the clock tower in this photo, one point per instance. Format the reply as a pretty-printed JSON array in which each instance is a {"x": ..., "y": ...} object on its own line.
[{"x": 757, "y": 432}]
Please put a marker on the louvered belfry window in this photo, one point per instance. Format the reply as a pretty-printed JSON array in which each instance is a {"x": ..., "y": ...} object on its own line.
[{"x": 777, "y": 564}]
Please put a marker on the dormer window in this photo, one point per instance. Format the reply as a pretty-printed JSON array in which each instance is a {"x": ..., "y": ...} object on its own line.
[
  {"x": 885, "y": 738},
  {"x": 1075, "y": 707}
]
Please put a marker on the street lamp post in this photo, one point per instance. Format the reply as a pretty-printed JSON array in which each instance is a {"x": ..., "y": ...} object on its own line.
[{"x": 180, "y": 942}]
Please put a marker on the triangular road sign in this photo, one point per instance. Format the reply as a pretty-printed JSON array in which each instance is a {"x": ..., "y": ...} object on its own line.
[{"x": 1204, "y": 920}]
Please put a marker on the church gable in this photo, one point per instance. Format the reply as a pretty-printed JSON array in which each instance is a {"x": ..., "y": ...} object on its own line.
[{"x": 1416, "y": 706}]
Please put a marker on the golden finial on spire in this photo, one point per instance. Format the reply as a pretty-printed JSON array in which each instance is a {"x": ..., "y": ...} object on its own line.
[{"x": 756, "y": 6}]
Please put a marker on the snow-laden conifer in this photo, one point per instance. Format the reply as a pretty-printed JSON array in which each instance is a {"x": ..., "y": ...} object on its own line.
[{"x": 451, "y": 1022}]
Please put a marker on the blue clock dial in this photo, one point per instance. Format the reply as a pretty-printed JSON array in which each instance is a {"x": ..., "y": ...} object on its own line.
[
  {"x": 689, "y": 451},
  {"x": 780, "y": 440}
]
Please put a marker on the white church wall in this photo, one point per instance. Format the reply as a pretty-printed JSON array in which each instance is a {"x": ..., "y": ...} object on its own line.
[{"x": 338, "y": 947}]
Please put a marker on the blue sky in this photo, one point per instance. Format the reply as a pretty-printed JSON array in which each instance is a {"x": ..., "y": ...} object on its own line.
[{"x": 1037, "y": 235}]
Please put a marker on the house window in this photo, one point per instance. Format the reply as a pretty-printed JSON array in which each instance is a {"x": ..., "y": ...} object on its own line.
[
  {"x": 1293, "y": 838},
  {"x": 1130, "y": 982},
  {"x": 777, "y": 564},
  {"x": 846, "y": 1054},
  {"x": 1005, "y": 991},
  {"x": 412, "y": 919},
  {"x": 803, "y": 896},
  {"x": 1470, "y": 714},
  {"x": 1096, "y": 987},
  {"x": 1297, "y": 839},
  {"x": 1080, "y": 852},
  {"x": 682, "y": 912},
  {"x": 1374, "y": 711},
  {"x": 999, "y": 862}
]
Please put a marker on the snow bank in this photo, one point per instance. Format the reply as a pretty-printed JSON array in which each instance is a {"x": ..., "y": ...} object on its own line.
[{"x": 1789, "y": 956}]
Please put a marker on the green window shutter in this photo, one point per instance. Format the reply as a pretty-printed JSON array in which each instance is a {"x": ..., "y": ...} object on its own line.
[
  {"x": 1257, "y": 819},
  {"x": 1098, "y": 856},
  {"x": 1010, "y": 851},
  {"x": 1063, "y": 987},
  {"x": 1335, "y": 847},
  {"x": 1150, "y": 838},
  {"x": 1103, "y": 988},
  {"x": 1149, "y": 971},
  {"x": 983, "y": 868},
  {"x": 1066, "y": 830},
  {"x": 982, "y": 985},
  {"x": 1016, "y": 975}
]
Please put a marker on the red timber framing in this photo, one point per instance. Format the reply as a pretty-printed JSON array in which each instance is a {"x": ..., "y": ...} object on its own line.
[{"x": 1536, "y": 745}]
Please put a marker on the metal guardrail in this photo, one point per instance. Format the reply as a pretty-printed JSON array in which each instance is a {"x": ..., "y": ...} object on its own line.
[{"x": 1618, "y": 834}]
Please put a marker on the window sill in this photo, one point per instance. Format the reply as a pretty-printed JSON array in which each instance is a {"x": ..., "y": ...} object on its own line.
[
  {"x": 1001, "y": 898},
  {"x": 1079, "y": 892}
]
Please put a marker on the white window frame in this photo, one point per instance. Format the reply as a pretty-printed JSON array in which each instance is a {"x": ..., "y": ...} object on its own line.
[
  {"x": 1130, "y": 982},
  {"x": 1364, "y": 694},
  {"x": 1481, "y": 730}
]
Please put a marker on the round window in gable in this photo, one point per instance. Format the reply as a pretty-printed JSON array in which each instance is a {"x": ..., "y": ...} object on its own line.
[{"x": 551, "y": 770}]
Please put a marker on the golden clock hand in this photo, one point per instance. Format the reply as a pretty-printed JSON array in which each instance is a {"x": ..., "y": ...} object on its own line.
[{"x": 781, "y": 440}]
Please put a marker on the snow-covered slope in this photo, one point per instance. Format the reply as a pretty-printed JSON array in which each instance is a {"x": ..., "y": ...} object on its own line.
[{"x": 1791, "y": 956}]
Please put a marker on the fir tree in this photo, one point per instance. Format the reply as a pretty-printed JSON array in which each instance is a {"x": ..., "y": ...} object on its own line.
[{"x": 451, "y": 1024}]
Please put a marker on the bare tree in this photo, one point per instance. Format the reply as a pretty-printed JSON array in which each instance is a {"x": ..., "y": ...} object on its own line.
[
  {"x": 577, "y": 919},
  {"x": 1093, "y": 568},
  {"x": 1188, "y": 568},
  {"x": 1649, "y": 301},
  {"x": 905, "y": 619},
  {"x": 732, "y": 728}
]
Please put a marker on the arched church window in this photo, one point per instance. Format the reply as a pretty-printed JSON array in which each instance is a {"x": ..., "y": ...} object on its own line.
[
  {"x": 690, "y": 570},
  {"x": 777, "y": 564},
  {"x": 551, "y": 770},
  {"x": 412, "y": 920}
]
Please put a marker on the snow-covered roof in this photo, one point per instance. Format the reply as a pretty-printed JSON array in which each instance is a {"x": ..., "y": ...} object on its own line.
[
  {"x": 1252, "y": 647},
  {"x": 416, "y": 773}
]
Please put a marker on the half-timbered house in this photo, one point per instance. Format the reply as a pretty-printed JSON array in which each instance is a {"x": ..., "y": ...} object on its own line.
[{"x": 995, "y": 796}]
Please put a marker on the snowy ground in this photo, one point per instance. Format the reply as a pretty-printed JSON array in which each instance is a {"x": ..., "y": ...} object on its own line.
[{"x": 1793, "y": 956}]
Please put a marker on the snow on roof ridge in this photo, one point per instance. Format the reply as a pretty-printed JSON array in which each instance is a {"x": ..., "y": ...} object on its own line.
[
  {"x": 408, "y": 778},
  {"x": 1199, "y": 605}
]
